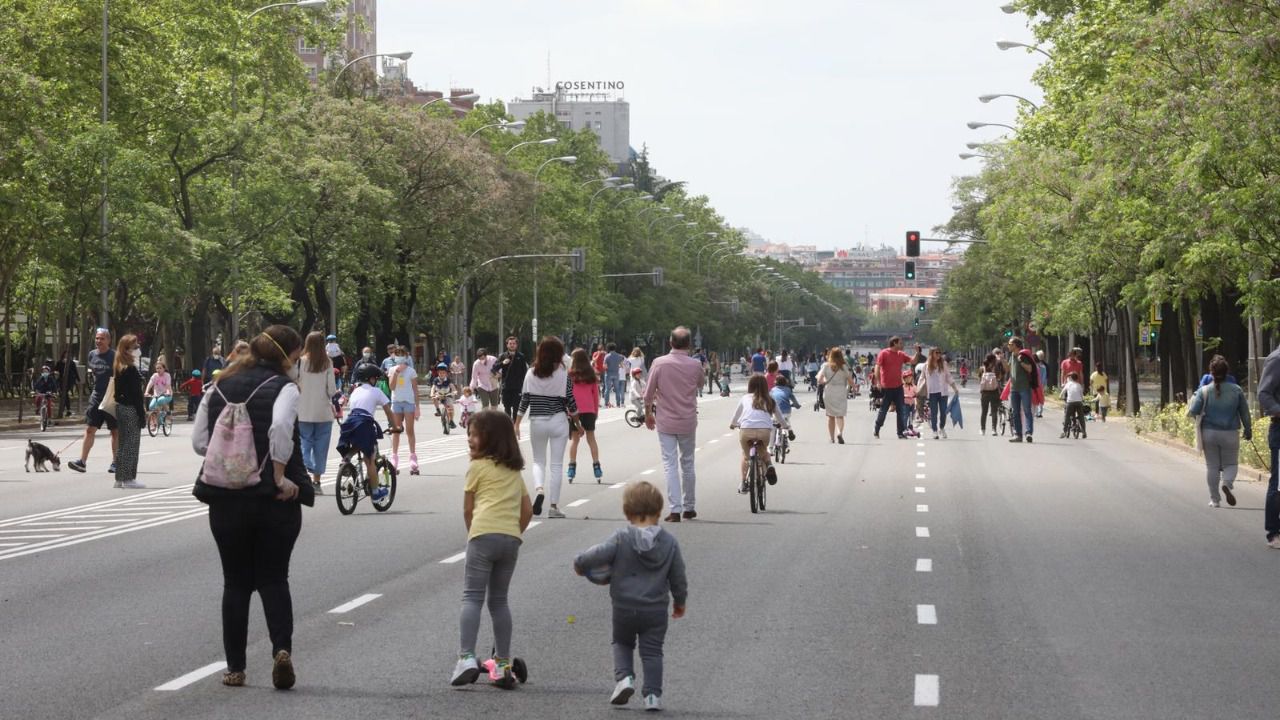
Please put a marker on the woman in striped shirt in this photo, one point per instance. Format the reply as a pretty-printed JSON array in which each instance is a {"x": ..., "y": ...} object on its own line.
[{"x": 547, "y": 399}]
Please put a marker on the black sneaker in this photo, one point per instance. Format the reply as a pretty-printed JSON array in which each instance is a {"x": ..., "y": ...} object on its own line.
[
  {"x": 771, "y": 475},
  {"x": 537, "y": 504},
  {"x": 1231, "y": 498},
  {"x": 878, "y": 435},
  {"x": 1016, "y": 438},
  {"x": 77, "y": 465},
  {"x": 791, "y": 434},
  {"x": 1028, "y": 437},
  {"x": 840, "y": 438}
]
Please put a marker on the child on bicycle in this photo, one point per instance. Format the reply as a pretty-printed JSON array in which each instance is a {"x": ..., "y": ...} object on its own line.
[
  {"x": 496, "y": 511},
  {"x": 1073, "y": 395},
  {"x": 754, "y": 419},
  {"x": 785, "y": 398},
  {"x": 635, "y": 391},
  {"x": 44, "y": 385},
  {"x": 646, "y": 568},
  {"x": 470, "y": 405},
  {"x": 360, "y": 431},
  {"x": 159, "y": 389},
  {"x": 443, "y": 391},
  {"x": 194, "y": 388}
]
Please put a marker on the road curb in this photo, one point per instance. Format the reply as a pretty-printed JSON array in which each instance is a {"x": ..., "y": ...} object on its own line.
[{"x": 1169, "y": 441}]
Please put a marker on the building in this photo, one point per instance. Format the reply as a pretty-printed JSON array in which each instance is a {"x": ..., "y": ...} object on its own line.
[
  {"x": 591, "y": 105},
  {"x": 360, "y": 39},
  {"x": 901, "y": 298},
  {"x": 866, "y": 272},
  {"x": 395, "y": 83}
]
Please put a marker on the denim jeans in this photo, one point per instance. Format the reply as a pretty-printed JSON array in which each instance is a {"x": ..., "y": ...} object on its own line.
[
  {"x": 314, "y": 437},
  {"x": 612, "y": 386},
  {"x": 937, "y": 411},
  {"x": 1020, "y": 403},
  {"x": 1271, "y": 512},
  {"x": 894, "y": 396}
]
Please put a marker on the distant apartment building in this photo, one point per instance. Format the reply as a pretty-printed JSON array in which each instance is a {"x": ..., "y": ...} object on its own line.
[
  {"x": 361, "y": 38},
  {"x": 395, "y": 83},
  {"x": 870, "y": 272},
  {"x": 592, "y": 105}
]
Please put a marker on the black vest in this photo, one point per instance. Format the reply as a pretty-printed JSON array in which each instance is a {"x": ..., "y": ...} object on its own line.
[{"x": 236, "y": 388}]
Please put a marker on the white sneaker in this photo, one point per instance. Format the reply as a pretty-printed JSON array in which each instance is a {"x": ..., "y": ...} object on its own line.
[
  {"x": 133, "y": 485},
  {"x": 935, "y": 436},
  {"x": 944, "y": 433},
  {"x": 623, "y": 691},
  {"x": 554, "y": 513},
  {"x": 465, "y": 672},
  {"x": 652, "y": 703},
  {"x": 1214, "y": 503}
]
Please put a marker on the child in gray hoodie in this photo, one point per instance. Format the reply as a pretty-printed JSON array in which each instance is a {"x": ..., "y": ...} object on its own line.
[{"x": 643, "y": 567}]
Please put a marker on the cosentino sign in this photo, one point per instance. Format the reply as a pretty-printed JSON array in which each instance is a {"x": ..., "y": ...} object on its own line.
[{"x": 589, "y": 85}]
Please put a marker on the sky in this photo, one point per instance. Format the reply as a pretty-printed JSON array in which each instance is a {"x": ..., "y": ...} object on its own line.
[{"x": 812, "y": 122}]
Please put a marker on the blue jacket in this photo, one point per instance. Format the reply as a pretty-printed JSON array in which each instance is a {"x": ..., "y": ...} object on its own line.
[
  {"x": 785, "y": 399},
  {"x": 1223, "y": 409}
]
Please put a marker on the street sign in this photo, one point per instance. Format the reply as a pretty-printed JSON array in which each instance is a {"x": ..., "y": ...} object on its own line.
[{"x": 1144, "y": 334}]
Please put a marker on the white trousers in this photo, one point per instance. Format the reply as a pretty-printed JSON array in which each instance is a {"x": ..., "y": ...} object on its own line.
[
  {"x": 679, "y": 449},
  {"x": 549, "y": 435}
]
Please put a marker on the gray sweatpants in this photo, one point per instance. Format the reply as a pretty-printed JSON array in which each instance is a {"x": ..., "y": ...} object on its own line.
[
  {"x": 650, "y": 626},
  {"x": 1221, "y": 457},
  {"x": 491, "y": 559}
]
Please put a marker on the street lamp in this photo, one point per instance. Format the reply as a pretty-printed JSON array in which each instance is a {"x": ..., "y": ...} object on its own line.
[
  {"x": 299, "y": 4},
  {"x": 399, "y": 56},
  {"x": 1010, "y": 44},
  {"x": 967, "y": 156},
  {"x": 646, "y": 196},
  {"x": 685, "y": 245},
  {"x": 517, "y": 125},
  {"x": 592, "y": 204},
  {"x": 989, "y": 98},
  {"x": 974, "y": 125},
  {"x": 567, "y": 160},
  {"x": 649, "y": 229},
  {"x": 469, "y": 97},
  {"x": 697, "y": 258},
  {"x": 606, "y": 181},
  {"x": 544, "y": 141},
  {"x": 1008, "y": 9}
]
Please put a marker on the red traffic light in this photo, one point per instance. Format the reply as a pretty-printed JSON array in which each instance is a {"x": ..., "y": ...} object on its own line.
[{"x": 913, "y": 243}]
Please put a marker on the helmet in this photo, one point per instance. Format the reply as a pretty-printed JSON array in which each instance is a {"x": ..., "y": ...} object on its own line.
[
  {"x": 636, "y": 371},
  {"x": 195, "y": 373},
  {"x": 331, "y": 338},
  {"x": 368, "y": 373},
  {"x": 441, "y": 366}
]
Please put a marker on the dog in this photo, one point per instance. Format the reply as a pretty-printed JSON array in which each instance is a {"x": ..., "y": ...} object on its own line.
[{"x": 41, "y": 455}]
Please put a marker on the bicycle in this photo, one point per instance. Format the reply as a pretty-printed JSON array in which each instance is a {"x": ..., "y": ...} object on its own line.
[
  {"x": 634, "y": 418},
  {"x": 1001, "y": 420},
  {"x": 1076, "y": 426},
  {"x": 781, "y": 444},
  {"x": 161, "y": 419},
  {"x": 352, "y": 484},
  {"x": 756, "y": 478},
  {"x": 44, "y": 406}
]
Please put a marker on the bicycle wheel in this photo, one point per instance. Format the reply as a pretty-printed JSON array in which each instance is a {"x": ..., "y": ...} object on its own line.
[
  {"x": 151, "y": 425},
  {"x": 633, "y": 418},
  {"x": 753, "y": 479},
  {"x": 166, "y": 423},
  {"x": 344, "y": 489},
  {"x": 761, "y": 484},
  {"x": 784, "y": 447},
  {"x": 388, "y": 473},
  {"x": 44, "y": 417}
]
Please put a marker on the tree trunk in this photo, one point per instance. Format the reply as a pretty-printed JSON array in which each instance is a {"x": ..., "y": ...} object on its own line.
[{"x": 1191, "y": 378}]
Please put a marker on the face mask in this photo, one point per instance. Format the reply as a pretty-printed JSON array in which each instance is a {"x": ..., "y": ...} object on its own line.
[
  {"x": 217, "y": 355},
  {"x": 368, "y": 356},
  {"x": 44, "y": 374},
  {"x": 136, "y": 352},
  {"x": 401, "y": 360}
]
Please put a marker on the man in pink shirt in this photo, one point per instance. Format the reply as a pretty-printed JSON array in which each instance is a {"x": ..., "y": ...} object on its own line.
[
  {"x": 674, "y": 380},
  {"x": 483, "y": 382}
]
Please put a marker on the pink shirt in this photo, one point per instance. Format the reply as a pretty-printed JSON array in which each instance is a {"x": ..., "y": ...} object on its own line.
[
  {"x": 587, "y": 396},
  {"x": 482, "y": 372},
  {"x": 674, "y": 380}
]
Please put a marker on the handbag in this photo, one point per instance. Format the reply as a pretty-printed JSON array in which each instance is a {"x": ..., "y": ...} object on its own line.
[{"x": 108, "y": 403}]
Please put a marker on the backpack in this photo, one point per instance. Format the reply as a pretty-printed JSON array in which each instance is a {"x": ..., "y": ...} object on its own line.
[
  {"x": 989, "y": 381},
  {"x": 231, "y": 460}
]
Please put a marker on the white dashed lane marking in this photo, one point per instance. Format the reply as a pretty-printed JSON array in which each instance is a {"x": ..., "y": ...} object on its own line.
[
  {"x": 922, "y": 532},
  {"x": 615, "y": 486},
  {"x": 926, "y": 693},
  {"x": 352, "y": 605},
  {"x": 926, "y": 615},
  {"x": 919, "y": 489},
  {"x": 193, "y": 676},
  {"x": 919, "y": 476},
  {"x": 924, "y": 565},
  {"x": 454, "y": 558},
  {"x": 650, "y": 471},
  {"x": 922, "y": 508},
  {"x": 577, "y": 503}
]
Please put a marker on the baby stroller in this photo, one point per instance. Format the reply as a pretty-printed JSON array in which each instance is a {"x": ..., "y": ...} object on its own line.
[{"x": 877, "y": 397}]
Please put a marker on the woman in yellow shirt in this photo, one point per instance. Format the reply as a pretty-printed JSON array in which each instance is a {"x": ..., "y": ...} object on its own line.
[{"x": 496, "y": 510}]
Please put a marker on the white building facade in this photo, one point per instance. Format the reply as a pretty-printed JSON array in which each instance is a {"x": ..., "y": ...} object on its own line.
[{"x": 594, "y": 105}]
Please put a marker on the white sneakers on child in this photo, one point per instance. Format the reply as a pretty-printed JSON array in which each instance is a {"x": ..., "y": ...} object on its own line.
[
  {"x": 466, "y": 672},
  {"x": 652, "y": 703},
  {"x": 623, "y": 691}
]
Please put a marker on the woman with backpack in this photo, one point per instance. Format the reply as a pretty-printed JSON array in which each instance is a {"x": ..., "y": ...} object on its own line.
[
  {"x": 989, "y": 385},
  {"x": 249, "y": 421}
]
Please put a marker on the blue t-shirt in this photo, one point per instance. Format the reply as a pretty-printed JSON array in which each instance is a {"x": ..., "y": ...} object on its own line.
[
  {"x": 758, "y": 362},
  {"x": 785, "y": 399},
  {"x": 612, "y": 362}
]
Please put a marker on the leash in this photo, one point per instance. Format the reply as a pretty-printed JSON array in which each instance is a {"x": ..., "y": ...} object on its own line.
[{"x": 64, "y": 447}]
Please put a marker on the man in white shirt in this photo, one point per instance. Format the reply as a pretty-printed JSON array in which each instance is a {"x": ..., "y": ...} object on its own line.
[{"x": 483, "y": 382}]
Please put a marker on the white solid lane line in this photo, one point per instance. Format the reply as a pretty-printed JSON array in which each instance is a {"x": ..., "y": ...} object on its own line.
[
  {"x": 534, "y": 524},
  {"x": 926, "y": 691},
  {"x": 926, "y": 615},
  {"x": 576, "y": 503},
  {"x": 922, "y": 508},
  {"x": 919, "y": 489},
  {"x": 919, "y": 444},
  {"x": 31, "y": 537},
  {"x": 650, "y": 471},
  {"x": 193, "y": 676},
  {"x": 615, "y": 486},
  {"x": 349, "y": 606},
  {"x": 922, "y": 532},
  {"x": 454, "y": 558},
  {"x": 714, "y": 440},
  {"x": 924, "y": 565}
]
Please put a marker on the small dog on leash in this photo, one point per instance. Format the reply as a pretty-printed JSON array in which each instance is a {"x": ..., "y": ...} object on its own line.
[{"x": 41, "y": 455}]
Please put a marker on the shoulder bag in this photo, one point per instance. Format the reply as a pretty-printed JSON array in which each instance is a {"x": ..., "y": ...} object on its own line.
[{"x": 108, "y": 402}]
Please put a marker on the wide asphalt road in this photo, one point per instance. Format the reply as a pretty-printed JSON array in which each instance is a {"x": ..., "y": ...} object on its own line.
[{"x": 964, "y": 578}]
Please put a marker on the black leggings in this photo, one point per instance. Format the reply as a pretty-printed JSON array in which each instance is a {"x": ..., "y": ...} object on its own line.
[
  {"x": 255, "y": 537},
  {"x": 990, "y": 401}
]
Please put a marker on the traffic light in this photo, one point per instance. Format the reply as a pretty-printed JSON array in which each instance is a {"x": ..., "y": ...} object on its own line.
[
  {"x": 1008, "y": 332},
  {"x": 920, "y": 306},
  {"x": 911, "y": 269},
  {"x": 916, "y": 322},
  {"x": 913, "y": 243}
]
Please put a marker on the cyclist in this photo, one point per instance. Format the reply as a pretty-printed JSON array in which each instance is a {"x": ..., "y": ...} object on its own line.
[
  {"x": 785, "y": 398},
  {"x": 159, "y": 389},
  {"x": 1073, "y": 396},
  {"x": 754, "y": 419},
  {"x": 360, "y": 430},
  {"x": 45, "y": 387},
  {"x": 635, "y": 391},
  {"x": 443, "y": 391}
]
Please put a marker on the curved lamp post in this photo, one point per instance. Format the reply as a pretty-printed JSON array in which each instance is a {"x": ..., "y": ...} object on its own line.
[
  {"x": 469, "y": 97},
  {"x": 606, "y": 181},
  {"x": 646, "y": 196},
  {"x": 974, "y": 125},
  {"x": 517, "y": 125},
  {"x": 398, "y": 56},
  {"x": 1010, "y": 44},
  {"x": 993, "y": 96},
  {"x": 517, "y": 146},
  {"x": 625, "y": 186},
  {"x": 969, "y": 156}
]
